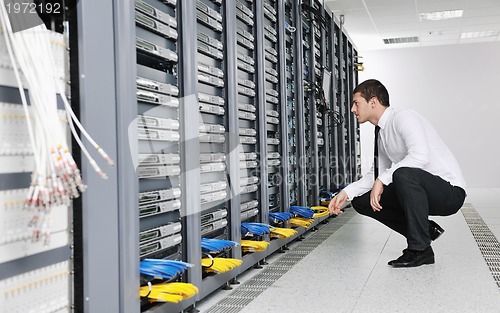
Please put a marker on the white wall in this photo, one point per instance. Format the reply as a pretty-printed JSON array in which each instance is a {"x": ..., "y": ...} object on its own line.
[{"x": 457, "y": 88}]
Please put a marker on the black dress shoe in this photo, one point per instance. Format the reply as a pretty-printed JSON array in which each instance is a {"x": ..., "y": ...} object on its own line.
[
  {"x": 435, "y": 230},
  {"x": 413, "y": 258}
]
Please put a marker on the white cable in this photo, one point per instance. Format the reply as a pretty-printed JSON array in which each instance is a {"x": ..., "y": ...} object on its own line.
[{"x": 56, "y": 177}]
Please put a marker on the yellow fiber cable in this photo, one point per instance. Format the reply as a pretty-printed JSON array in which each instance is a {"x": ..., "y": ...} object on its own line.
[
  {"x": 253, "y": 245},
  {"x": 300, "y": 221},
  {"x": 320, "y": 211},
  {"x": 282, "y": 232},
  {"x": 169, "y": 292},
  {"x": 220, "y": 265}
]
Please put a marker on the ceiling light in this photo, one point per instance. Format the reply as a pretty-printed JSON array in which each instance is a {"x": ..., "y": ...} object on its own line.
[
  {"x": 481, "y": 34},
  {"x": 441, "y": 15}
]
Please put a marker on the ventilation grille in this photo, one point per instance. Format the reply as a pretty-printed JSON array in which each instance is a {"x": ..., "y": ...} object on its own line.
[
  {"x": 486, "y": 240},
  {"x": 389, "y": 41},
  {"x": 252, "y": 288}
]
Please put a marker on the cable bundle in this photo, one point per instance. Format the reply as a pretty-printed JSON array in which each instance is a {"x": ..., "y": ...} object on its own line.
[
  {"x": 253, "y": 245},
  {"x": 300, "y": 221},
  {"x": 320, "y": 211},
  {"x": 278, "y": 232},
  {"x": 219, "y": 265},
  {"x": 163, "y": 269},
  {"x": 209, "y": 245},
  {"x": 56, "y": 178},
  {"x": 279, "y": 217},
  {"x": 254, "y": 229},
  {"x": 169, "y": 292},
  {"x": 302, "y": 211}
]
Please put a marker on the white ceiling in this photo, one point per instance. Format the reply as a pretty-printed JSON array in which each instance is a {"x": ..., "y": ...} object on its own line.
[{"x": 368, "y": 22}]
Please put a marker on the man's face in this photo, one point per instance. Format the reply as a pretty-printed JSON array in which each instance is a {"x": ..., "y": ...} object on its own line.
[{"x": 360, "y": 108}]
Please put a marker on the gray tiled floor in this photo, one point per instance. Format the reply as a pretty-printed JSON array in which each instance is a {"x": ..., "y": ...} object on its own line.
[{"x": 348, "y": 272}]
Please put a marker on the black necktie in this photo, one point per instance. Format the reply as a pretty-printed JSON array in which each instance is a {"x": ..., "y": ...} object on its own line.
[{"x": 375, "y": 153}]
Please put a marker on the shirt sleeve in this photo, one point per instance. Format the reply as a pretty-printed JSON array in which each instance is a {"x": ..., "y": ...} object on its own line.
[
  {"x": 361, "y": 186},
  {"x": 409, "y": 126}
]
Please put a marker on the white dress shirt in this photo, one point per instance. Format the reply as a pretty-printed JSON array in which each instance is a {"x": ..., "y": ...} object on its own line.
[{"x": 406, "y": 139}]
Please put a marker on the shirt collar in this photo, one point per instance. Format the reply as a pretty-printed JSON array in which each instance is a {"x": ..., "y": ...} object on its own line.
[{"x": 385, "y": 116}]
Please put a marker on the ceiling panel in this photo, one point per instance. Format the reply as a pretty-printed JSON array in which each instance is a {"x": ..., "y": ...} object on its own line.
[
  {"x": 440, "y": 5},
  {"x": 389, "y": 3},
  {"x": 368, "y": 21},
  {"x": 345, "y": 5}
]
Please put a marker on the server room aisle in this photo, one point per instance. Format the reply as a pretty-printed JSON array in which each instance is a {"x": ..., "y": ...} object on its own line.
[{"x": 348, "y": 272}]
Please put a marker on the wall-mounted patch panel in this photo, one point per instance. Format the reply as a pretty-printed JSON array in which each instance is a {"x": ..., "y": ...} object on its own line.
[
  {"x": 43, "y": 290},
  {"x": 15, "y": 219}
]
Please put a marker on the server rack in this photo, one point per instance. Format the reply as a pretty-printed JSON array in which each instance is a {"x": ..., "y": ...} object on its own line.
[{"x": 206, "y": 126}]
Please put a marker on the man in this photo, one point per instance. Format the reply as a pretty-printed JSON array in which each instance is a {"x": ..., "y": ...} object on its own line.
[{"x": 415, "y": 175}]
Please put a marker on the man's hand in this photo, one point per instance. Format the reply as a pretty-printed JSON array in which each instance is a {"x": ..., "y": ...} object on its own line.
[
  {"x": 337, "y": 202},
  {"x": 377, "y": 190}
]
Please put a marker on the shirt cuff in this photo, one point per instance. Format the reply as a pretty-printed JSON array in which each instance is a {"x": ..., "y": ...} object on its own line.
[{"x": 385, "y": 178}]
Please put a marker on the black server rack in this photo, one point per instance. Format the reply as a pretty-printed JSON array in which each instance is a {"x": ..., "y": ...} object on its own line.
[{"x": 241, "y": 109}]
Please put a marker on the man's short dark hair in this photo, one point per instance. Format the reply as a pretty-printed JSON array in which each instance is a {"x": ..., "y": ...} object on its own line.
[{"x": 373, "y": 88}]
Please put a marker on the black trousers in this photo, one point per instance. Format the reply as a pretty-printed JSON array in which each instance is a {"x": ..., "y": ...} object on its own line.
[{"x": 407, "y": 202}]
